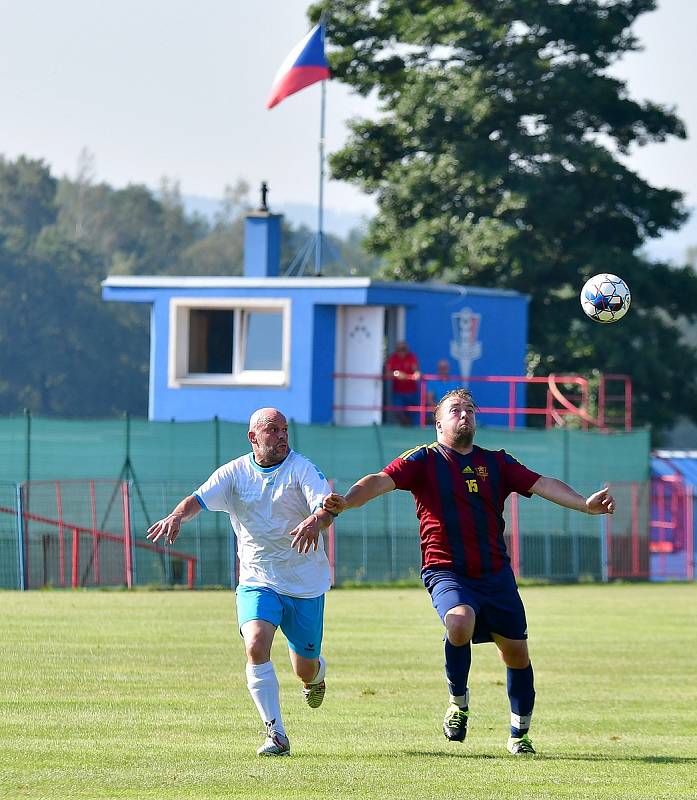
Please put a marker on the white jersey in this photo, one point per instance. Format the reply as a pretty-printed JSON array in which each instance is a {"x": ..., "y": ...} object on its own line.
[{"x": 265, "y": 504}]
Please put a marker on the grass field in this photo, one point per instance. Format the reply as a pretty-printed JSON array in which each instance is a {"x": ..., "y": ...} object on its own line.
[{"x": 142, "y": 695}]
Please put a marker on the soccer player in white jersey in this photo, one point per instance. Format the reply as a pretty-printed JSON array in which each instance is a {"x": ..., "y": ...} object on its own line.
[{"x": 274, "y": 498}]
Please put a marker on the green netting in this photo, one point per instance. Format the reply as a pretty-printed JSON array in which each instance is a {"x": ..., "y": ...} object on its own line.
[
  {"x": 50, "y": 449},
  {"x": 168, "y": 460}
]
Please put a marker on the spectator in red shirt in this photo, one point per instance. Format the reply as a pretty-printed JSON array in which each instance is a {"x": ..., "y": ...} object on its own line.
[{"x": 402, "y": 367}]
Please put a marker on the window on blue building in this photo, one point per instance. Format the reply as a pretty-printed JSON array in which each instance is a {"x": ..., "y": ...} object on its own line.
[
  {"x": 263, "y": 340},
  {"x": 211, "y": 334},
  {"x": 229, "y": 341}
]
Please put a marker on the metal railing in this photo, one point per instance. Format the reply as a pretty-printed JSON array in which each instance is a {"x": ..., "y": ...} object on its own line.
[{"x": 613, "y": 410}]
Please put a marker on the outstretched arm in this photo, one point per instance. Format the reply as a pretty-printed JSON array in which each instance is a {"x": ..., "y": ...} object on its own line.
[
  {"x": 360, "y": 493},
  {"x": 169, "y": 527},
  {"x": 562, "y": 494}
]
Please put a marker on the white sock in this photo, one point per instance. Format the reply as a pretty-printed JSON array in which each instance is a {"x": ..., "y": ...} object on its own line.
[
  {"x": 263, "y": 686},
  {"x": 321, "y": 672},
  {"x": 461, "y": 700}
]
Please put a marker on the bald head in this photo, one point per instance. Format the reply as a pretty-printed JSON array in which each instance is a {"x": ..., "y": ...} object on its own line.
[
  {"x": 268, "y": 435},
  {"x": 263, "y": 415}
]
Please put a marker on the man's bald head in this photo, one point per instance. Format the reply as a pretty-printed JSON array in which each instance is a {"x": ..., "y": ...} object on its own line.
[{"x": 264, "y": 415}]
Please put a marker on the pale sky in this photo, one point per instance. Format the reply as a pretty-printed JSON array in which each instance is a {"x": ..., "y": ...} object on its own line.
[{"x": 175, "y": 88}]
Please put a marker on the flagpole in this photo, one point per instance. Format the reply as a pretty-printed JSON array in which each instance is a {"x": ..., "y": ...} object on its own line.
[{"x": 320, "y": 213}]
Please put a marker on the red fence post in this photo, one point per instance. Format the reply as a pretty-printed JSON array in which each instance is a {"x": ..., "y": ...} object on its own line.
[
  {"x": 422, "y": 401},
  {"x": 128, "y": 554},
  {"x": 75, "y": 582},
  {"x": 61, "y": 537},
  {"x": 95, "y": 538}
]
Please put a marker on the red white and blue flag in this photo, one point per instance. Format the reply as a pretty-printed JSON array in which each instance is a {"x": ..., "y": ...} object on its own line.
[{"x": 304, "y": 65}]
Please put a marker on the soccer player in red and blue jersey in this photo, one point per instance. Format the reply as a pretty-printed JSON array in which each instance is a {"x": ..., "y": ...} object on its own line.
[{"x": 460, "y": 490}]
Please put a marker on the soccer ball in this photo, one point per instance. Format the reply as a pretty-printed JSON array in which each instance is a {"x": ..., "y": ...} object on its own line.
[{"x": 605, "y": 298}]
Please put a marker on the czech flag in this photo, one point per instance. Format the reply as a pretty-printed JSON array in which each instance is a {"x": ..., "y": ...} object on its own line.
[{"x": 304, "y": 65}]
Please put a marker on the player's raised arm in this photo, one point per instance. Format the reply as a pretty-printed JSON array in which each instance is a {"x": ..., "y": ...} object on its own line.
[
  {"x": 562, "y": 494},
  {"x": 362, "y": 491},
  {"x": 169, "y": 527}
]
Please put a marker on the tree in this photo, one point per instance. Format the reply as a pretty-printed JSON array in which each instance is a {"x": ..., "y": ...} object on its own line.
[
  {"x": 497, "y": 160},
  {"x": 63, "y": 351},
  {"x": 27, "y": 200}
]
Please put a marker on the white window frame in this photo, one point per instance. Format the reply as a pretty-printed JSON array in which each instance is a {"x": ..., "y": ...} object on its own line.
[{"x": 178, "y": 374}]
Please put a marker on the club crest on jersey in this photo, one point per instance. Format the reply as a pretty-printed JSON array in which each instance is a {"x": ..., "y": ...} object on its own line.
[{"x": 483, "y": 472}]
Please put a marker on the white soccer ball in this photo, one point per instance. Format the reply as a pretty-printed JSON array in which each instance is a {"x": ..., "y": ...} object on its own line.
[{"x": 605, "y": 297}]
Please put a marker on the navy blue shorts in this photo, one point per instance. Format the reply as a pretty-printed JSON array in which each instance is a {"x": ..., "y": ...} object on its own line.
[{"x": 495, "y": 601}]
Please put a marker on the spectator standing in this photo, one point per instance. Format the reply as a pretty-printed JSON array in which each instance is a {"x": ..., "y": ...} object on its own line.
[{"x": 402, "y": 367}]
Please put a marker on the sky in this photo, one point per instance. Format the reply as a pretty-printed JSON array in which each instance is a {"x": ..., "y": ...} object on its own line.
[{"x": 177, "y": 89}]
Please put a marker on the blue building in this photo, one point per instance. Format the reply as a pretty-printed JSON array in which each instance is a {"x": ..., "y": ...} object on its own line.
[{"x": 313, "y": 346}]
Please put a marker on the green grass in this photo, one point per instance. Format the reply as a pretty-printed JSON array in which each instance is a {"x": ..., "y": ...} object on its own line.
[{"x": 142, "y": 695}]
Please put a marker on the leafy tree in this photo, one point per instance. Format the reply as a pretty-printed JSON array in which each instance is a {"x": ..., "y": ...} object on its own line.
[
  {"x": 497, "y": 160},
  {"x": 27, "y": 200},
  {"x": 63, "y": 351}
]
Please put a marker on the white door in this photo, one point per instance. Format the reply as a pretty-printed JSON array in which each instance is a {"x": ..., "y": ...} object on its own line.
[{"x": 359, "y": 357}]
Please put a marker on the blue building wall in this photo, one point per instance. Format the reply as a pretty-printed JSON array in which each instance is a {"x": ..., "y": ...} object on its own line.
[
  {"x": 502, "y": 332},
  {"x": 323, "y": 350},
  {"x": 309, "y": 395}
]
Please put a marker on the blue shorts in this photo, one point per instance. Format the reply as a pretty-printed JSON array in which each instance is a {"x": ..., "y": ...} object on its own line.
[
  {"x": 495, "y": 601},
  {"x": 300, "y": 618}
]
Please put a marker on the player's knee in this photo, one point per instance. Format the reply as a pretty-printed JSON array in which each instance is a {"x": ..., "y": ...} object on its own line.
[
  {"x": 258, "y": 650},
  {"x": 460, "y": 626}
]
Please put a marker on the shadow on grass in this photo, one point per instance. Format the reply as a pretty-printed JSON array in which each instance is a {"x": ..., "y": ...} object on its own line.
[{"x": 558, "y": 757}]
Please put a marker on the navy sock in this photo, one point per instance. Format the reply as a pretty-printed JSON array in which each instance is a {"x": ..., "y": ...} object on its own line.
[
  {"x": 457, "y": 667},
  {"x": 521, "y": 693}
]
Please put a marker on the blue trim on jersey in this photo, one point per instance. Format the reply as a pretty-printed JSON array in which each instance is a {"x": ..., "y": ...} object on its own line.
[
  {"x": 451, "y": 517},
  {"x": 200, "y": 502},
  {"x": 266, "y": 470}
]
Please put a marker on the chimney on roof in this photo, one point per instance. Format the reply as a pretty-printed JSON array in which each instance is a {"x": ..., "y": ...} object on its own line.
[{"x": 262, "y": 240}]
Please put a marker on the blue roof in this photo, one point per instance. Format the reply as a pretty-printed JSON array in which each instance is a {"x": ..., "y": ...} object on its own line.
[{"x": 668, "y": 462}]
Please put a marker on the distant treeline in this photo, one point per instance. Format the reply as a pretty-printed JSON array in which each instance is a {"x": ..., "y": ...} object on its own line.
[{"x": 63, "y": 350}]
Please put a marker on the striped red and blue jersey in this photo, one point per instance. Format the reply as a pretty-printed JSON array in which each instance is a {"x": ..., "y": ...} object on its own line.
[{"x": 459, "y": 504}]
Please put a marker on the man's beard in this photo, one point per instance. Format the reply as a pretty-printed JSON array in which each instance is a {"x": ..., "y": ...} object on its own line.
[
  {"x": 270, "y": 455},
  {"x": 463, "y": 437}
]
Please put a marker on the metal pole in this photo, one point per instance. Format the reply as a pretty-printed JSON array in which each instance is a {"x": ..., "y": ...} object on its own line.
[
  {"x": 21, "y": 552},
  {"x": 320, "y": 214}
]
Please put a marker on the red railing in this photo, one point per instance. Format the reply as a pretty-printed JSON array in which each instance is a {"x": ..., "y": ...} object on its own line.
[
  {"x": 558, "y": 404},
  {"x": 97, "y": 536}
]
